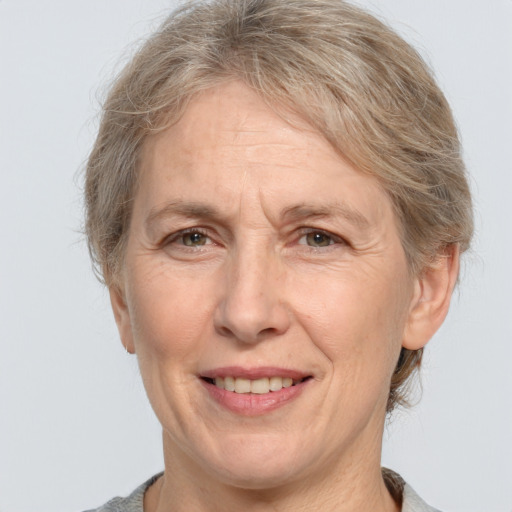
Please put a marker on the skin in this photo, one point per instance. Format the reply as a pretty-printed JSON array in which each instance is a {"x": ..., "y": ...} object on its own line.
[{"x": 292, "y": 259}]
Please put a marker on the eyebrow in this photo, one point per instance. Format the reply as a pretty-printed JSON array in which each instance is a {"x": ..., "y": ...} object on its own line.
[
  {"x": 188, "y": 209},
  {"x": 301, "y": 212},
  {"x": 337, "y": 209}
]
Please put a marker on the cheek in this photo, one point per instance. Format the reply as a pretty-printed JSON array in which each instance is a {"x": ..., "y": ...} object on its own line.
[
  {"x": 170, "y": 325},
  {"x": 169, "y": 314},
  {"x": 356, "y": 320}
]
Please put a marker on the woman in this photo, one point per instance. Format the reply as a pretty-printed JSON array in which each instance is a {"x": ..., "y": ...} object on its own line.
[{"x": 277, "y": 204}]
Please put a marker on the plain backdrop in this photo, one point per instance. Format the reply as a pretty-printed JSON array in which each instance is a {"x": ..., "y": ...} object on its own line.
[{"x": 75, "y": 426}]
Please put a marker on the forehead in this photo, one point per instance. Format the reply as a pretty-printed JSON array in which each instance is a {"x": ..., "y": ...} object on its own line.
[
  {"x": 231, "y": 117},
  {"x": 232, "y": 147}
]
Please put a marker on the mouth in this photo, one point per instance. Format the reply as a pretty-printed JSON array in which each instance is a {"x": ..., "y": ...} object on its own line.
[
  {"x": 256, "y": 391},
  {"x": 260, "y": 386}
]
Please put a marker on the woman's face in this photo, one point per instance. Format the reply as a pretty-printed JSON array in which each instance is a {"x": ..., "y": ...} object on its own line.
[{"x": 258, "y": 258}]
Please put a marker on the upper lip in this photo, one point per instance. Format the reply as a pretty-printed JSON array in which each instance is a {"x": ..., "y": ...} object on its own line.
[{"x": 254, "y": 373}]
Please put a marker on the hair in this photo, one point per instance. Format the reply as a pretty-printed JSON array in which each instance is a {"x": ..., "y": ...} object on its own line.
[{"x": 349, "y": 75}]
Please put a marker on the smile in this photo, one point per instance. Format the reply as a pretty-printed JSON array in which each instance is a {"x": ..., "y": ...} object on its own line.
[
  {"x": 256, "y": 386},
  {"x": 253, "y": 392}
]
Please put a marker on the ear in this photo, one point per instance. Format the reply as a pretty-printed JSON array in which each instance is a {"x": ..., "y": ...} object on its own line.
[
  {"x": 122, "y": 317},
  {"x": 433, "y": 290}
]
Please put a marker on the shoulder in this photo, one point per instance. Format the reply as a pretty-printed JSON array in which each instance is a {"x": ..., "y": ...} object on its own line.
[
  {"x": 411, "y": 502},
  {"x": 402, "y": 492},
  {"x": 132, "y": 503}
]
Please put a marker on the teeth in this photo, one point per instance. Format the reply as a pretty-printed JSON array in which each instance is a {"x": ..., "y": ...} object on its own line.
[
  {"x": 229, "y": 384},
  {"x": 276, "y": 383},
  {"x": 242, "y": 386},
  {"x": 257, "y": 386},
  {"x": 287, "y": 382},
  {"x": 260, "y": 386}
]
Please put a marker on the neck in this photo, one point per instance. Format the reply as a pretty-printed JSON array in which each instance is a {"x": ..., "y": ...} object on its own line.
[{"x": 355, "y": 484}]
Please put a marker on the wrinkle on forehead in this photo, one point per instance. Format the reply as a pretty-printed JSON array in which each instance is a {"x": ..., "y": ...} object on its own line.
[{"x": 231, "y": 150}]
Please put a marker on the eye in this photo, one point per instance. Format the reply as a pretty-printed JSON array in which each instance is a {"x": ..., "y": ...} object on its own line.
[
  {"x": 193, "y": 239},
  {"x": 317, "y": 239},
  {"x": 195, "y": 243},
  {"x": 189, "y": 238}
]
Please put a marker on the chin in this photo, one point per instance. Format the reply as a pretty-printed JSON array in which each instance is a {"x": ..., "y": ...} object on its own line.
[
  {"x": 258, "y": 464},
  {"x": 265, "y": 476}
]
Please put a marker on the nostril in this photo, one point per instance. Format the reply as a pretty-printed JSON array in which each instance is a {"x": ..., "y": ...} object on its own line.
[
  {"x": 224, "y": 331},
  {"x": 268, "y": 331}
]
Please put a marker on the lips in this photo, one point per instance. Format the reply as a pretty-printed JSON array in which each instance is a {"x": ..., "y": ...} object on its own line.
[{"x": 254, "y": 391}]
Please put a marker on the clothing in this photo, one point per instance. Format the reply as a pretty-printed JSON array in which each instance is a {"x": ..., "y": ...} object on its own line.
[{"x": 411, "y": 502}]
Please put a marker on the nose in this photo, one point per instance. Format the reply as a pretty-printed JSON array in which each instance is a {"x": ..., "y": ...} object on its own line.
[{"x": 251, "y": 306}]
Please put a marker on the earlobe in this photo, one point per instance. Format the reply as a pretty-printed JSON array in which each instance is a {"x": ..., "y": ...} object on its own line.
[
  {"x": 122, "y": 318},
  {"x": 431, "y": 299}
]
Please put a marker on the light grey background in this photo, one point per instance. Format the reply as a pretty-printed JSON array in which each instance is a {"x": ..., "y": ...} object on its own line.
[{"x": 75, "y": 428}]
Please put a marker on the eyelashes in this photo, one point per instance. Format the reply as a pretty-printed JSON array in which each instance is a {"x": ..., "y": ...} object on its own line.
[
  {"x": 199, "y": 239},
  {"x": 194, "y": 238},
  {"x": 318, "y": 238},
  {"x": 190, "y": 238}
]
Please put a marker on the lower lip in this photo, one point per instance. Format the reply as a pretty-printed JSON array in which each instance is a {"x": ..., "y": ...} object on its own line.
[{"x": 249, "y": 404}]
